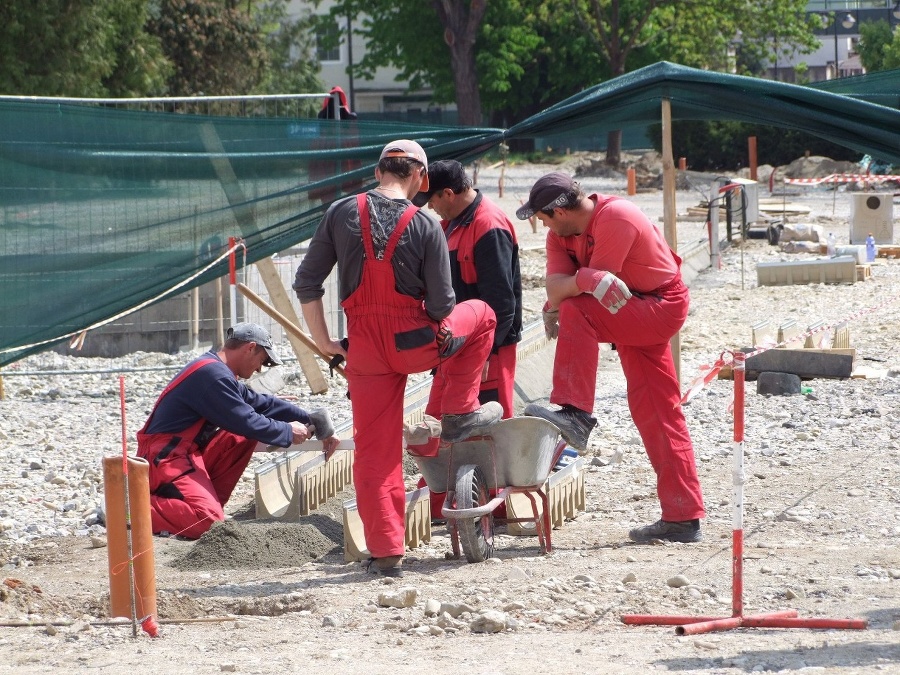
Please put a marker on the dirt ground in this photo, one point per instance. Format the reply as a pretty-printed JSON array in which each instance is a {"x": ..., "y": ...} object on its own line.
[{"x": 822, "y": 523}]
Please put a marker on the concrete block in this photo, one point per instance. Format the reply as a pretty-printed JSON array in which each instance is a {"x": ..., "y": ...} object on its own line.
[
  {"x": 840, "y": 270},
  {"x": 828, "y": 363},
  {"x": 778, "y": 384}
]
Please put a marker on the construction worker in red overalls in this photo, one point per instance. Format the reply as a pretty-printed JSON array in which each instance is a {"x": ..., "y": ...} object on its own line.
[
  {"x": 205, "y": 427},
  {"x": 402, "y": 318},
  {"x": 612, "y": 278}
]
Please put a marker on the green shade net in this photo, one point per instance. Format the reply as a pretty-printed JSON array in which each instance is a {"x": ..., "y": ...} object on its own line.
[{"x": 104, "y": 210}]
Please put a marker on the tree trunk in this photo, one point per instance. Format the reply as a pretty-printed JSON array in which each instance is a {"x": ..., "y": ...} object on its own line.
[
  {"x": 461, "y": 21},
  {"x": 614, "y": 147}
]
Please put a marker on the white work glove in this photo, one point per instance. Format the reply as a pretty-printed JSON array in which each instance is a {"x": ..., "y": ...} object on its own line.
[
  {"x": 610, "y": 290},
  {"x": 551, "y": 321}
]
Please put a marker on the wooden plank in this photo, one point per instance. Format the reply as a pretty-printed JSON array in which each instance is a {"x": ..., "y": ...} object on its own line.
[
  {"x": 245, "y": 216},
  {"x": 828, "y": 363}
]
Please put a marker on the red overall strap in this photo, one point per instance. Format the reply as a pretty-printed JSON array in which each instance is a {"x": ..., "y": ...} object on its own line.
[
  {"x": 365, "y": 225},
  {"x": 196, "y": 365}
]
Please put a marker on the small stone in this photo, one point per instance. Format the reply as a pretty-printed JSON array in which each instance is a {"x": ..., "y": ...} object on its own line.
[
  {"x": 455, "y": 609},
  {"x": 328, "y": 621},
  {"x": 227, "y": 667},
  {"x": 432, "y": 607},
  {"x": 403, "y": 597},
  {"x": 678, "y": 581},
  {"x": 490, "y": 621},
  {"x": 98, "y": 542},
  {"x": 50, "y": 629},
  {"x": 630, "y": 578}
]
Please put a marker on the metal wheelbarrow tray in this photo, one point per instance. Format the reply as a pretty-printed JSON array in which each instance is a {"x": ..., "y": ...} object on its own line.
[{"x": 516, "y": 456}]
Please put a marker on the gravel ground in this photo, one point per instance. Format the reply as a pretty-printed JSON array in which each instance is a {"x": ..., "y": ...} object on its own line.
[{"x": 822, "y": 505}]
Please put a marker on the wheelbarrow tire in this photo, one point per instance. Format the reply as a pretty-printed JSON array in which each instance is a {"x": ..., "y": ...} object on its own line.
[{"x": 475, "y": 534}]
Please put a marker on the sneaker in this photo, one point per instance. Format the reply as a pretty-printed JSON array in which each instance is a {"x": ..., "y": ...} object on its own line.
[
  {"x": 686, "y": 532},
  {"x": 455, "y": 428},
  {"x": 389, "y": 566},
  {"x": 575, "y": 425}
]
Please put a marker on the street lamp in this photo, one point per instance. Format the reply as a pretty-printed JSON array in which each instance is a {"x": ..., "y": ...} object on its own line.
[
  {"x": 896, "y": 10},
  {"x": 847, "y": 22}
]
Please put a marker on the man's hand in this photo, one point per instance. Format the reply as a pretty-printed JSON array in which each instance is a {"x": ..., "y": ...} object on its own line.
[
  {"x": 329, "y": 445},
  {"x": 299, "y": 433},
  {"x": 551, "y": 321},
  {"x": 447, "y": 344},
  {"x": 610, "y": 290}
]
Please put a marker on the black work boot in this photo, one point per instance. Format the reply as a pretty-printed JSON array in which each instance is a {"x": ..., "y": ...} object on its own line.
[
  {"x": 686, "y": 532},
  {"x": 455, "y": 428},
  {"x": 575, "y": 425}
]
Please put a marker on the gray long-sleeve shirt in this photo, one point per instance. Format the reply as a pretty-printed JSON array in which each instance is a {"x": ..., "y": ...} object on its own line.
[{"x": 421, "y": 262}]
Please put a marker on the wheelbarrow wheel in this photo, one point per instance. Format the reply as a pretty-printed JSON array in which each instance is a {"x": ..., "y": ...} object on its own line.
[{"x": 475, "y": 534}]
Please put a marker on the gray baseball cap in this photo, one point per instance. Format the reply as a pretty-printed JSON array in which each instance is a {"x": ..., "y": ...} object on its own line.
[{"x": 252, "y": 332}]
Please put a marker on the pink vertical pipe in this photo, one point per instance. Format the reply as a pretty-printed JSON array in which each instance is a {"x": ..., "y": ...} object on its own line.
[{"x": 232, "y": 278}]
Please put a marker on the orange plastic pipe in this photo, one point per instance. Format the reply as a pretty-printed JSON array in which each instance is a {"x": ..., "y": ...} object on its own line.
[
  {"x": 141, "y": 537},
  {"x": 751, "y": 150},
  {"x": 632, "y": 182}
]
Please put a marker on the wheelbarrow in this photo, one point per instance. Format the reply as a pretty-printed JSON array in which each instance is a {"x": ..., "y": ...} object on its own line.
[{"x": 479, "y": 473}]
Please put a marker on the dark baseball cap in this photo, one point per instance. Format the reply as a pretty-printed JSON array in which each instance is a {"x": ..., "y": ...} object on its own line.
[
  {"x": 253, "y": 332},
  {"x": 550, "y": 191},
  {"x": 443, "y": 174}
]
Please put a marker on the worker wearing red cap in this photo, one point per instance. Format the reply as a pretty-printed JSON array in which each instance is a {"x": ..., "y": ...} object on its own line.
[
  {"x": 612, "y": 278},
  {"x": 402, "y": 318}
]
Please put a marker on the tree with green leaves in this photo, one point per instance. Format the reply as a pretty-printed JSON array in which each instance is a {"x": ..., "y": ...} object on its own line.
[
  {"x": 79, "y": 48},
  {"x": 214, "y": 46},
  {"x": 291, "y": 64},
  {"x": 875, "y": 38},
  {"x": 699, "y": 33},
  {"x": 532, "y": 53}
]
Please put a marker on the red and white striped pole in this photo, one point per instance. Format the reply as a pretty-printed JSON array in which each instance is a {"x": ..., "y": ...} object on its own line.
[{"x": 688, "y": 625}]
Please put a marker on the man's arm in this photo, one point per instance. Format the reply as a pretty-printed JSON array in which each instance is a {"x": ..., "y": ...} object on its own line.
[
  {"x": 560, "y": 287},
  {"x": 314, "y": 315}
]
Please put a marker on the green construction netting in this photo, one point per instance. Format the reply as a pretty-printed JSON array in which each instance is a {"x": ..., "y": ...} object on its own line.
[
  {"x": 882, "y": 87},
  {"x": 102, "y": 210}
]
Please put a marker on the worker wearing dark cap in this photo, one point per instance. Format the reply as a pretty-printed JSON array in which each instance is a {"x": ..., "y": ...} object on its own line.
[
  {"x": 612, "y": 278},
  {"x": 206, "y": 425}
]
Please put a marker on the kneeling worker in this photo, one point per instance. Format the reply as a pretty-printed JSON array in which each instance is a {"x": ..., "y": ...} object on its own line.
[{"x": 205, "y": 426}]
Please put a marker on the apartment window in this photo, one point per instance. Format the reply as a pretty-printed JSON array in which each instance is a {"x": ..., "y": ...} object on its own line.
[{"x": 328, "y": 45}]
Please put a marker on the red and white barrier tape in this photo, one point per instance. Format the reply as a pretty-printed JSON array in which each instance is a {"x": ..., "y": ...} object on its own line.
[
  {"x": 842, "y": 178},
  {"x": 709, "y": 372}
]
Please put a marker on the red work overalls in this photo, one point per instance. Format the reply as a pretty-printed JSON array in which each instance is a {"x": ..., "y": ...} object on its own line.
[
  {"x": 392, "y": 336},
  {"x": 188, "y": 485}
]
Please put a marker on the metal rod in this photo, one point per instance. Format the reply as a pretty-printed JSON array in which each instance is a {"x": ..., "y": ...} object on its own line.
[{"x": 134, "y": 622}]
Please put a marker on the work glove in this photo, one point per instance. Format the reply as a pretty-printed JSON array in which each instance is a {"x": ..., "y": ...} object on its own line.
[
  {"x": 447, "y": 344},
  {"x": 610, "y": 290},
  {"x": 320, "y": 421},
  {"x": 551, "y": 321}
]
